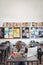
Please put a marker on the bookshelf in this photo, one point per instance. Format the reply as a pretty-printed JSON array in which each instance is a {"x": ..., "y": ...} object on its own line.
[{"x": 22, "y": 30}]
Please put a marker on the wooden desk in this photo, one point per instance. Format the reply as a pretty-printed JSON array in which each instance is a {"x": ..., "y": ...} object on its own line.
[
  {"x": 22, "y": 59},
  {"x": 3, "y": 47}
]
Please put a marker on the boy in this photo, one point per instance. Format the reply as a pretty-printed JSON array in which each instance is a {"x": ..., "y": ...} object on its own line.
[{"x": 20, "y": 48}]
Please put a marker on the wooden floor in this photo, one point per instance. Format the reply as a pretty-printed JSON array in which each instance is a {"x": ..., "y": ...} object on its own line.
[{"x": 30, "y": 63}]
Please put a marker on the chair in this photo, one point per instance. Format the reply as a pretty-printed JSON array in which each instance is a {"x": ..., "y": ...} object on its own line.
[
  {"x": 8, "y": 44},
  {"x": 0, "y": 56},
  {"x": 39, "y": 53}
]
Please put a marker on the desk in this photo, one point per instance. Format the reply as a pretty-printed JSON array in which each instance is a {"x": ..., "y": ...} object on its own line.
[{"x": 22, "y": 59}]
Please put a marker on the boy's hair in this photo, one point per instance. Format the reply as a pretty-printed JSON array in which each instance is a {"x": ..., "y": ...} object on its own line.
[{"x": 18, "y": 42}]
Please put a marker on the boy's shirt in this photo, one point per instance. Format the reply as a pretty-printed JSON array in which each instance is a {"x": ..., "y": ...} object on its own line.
[{"x": 21, "y": 50}]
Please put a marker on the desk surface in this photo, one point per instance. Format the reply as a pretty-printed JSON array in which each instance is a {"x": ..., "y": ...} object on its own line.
[
  {"x": 3, "y": 47},
  {"x": 23, "y": 59}
]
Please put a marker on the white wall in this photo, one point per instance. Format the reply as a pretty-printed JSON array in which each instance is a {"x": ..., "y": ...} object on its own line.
[
  {"x": 21, "y": 11},
  {"x": 13, "y": 41}
]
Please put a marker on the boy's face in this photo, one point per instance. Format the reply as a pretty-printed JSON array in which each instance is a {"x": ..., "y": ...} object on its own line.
[{"x": 19, "y": 46}]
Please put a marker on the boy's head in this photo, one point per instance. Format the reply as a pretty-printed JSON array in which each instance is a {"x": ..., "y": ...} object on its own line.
[{"x": 19, "y": 45}]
